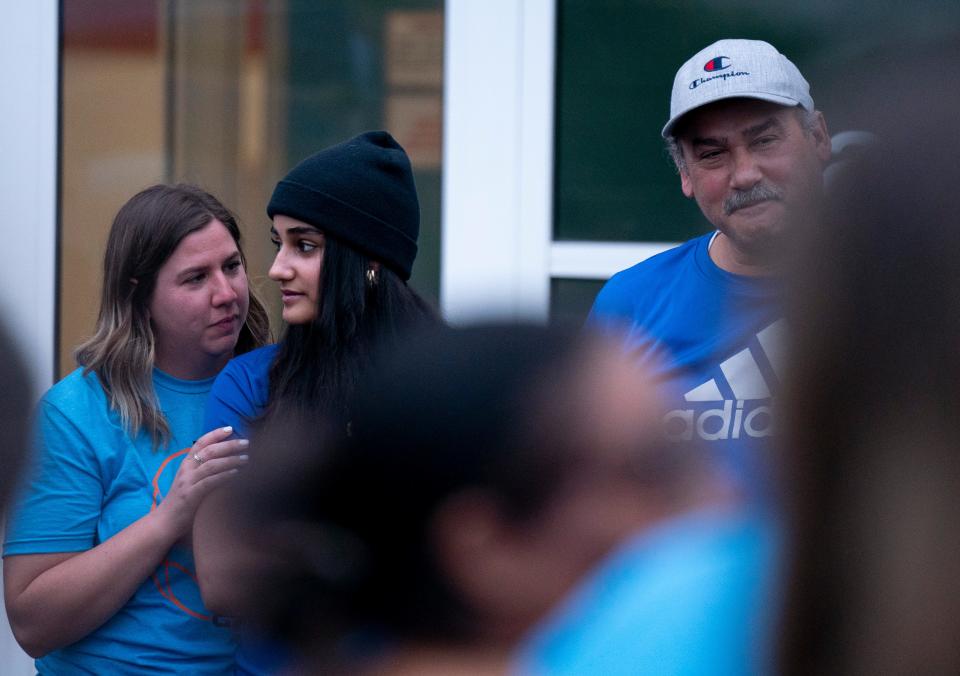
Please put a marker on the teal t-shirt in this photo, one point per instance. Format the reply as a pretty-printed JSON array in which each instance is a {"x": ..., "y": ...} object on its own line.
[
  {"x": 91, "y": 480},
  {"x": 695, "y": 594}
]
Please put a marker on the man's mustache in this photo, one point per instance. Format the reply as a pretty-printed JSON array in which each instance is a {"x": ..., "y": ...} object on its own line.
[{"x": 745, "y": 198}]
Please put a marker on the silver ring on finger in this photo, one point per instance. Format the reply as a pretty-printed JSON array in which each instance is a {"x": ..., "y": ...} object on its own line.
[{"x": 198, "y": 458}]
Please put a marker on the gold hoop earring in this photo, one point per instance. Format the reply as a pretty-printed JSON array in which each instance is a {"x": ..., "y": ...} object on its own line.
[{"x": 371, "y": 277}]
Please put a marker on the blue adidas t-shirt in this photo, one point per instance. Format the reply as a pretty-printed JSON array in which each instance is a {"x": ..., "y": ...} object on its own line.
[
  {"x": 90, "y": 480},
  {"x": 713, "y": 339}
]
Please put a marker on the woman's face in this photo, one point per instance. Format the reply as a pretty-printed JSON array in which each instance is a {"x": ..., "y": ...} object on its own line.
[
  {"x": 199, "y": 304},
  {"x": 297, "y": 267}
]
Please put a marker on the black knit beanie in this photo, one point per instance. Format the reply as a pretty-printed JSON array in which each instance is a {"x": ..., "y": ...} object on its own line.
[{"x": 360, "y": 191}]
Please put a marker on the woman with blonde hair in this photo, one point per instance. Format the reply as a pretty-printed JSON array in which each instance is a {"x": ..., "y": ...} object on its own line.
[{"x": 97, "y": 577}]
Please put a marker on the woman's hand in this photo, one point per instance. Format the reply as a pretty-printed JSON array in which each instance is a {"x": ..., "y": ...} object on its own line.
[
  {"x": 55, "y": 599},
  {"x": 212, "y": 460}
]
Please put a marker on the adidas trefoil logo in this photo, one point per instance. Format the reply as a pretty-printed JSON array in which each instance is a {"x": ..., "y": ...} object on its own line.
[{"x": 748, "y": 413}]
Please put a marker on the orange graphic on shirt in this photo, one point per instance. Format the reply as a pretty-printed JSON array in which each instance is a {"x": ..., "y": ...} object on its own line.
[{"x": 165, "y": 586}]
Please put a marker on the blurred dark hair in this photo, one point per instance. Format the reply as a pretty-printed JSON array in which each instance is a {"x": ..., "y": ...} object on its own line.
[
  {"x": 16, "y": 402},
  {"x": 448, "y": 410},
  {"x": 872, "y": 476},
  {"x": 498, "y": 410}
]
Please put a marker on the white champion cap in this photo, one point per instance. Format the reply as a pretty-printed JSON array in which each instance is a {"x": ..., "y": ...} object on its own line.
[{"x": 733, "y": 69}]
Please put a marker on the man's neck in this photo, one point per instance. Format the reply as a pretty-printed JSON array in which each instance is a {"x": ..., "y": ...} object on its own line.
[{"x": 725, "y": 254}]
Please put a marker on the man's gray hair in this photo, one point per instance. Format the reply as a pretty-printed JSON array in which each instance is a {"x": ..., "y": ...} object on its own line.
[{"x": 809, "y": 120}]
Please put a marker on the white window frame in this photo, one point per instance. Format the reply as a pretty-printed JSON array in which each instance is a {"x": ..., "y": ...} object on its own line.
[
  {"x": 498, "y": 253},
  {"x": 497, "y": 158},
  {"x": 29, "y": 65}
]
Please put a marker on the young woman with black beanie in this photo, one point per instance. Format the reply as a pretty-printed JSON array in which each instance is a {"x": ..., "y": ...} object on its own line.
[{"x": 345, "y": 224}]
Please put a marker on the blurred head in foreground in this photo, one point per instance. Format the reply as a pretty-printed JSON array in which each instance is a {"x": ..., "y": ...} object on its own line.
[
  {"x": 16, "y": 402},
  {"x": 873, "y": 474},
  {"x": 485, "y": 471}
]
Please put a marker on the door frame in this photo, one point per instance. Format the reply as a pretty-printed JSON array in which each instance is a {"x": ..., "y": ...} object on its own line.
[{"x": 498, "y": 255}]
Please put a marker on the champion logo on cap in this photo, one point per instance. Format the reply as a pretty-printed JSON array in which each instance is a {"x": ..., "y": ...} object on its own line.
[
  {"x": 735, "y": 68},
  {"x": 717, "y": 63}
]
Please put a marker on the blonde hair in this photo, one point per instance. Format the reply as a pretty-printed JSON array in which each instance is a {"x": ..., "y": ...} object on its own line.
[{"x": 144, "y": 234}]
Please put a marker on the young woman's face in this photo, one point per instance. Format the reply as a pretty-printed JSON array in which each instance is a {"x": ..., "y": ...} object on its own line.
[
  {"x": 199, "y": 304},
  {"x": 297, "y": 267}
]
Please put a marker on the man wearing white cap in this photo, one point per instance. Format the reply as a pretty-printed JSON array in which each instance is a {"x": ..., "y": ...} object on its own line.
[{"x": 750, "y": 148}]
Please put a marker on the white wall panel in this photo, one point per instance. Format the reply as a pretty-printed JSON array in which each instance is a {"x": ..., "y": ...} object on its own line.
[
  {"x": 28, "y": 166},
  {"x": 28, "y": 193},
  {"x": 497, "y": 166}
]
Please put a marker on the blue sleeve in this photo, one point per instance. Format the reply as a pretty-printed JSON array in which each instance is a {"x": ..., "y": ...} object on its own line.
[
  {"x": 690, "y": 597},
  {"x": 612, "y": 309},
  {"x": 59, "y": 507},
  {"x": 239, "y": 394},
  {"x": 630, "y": 295}
]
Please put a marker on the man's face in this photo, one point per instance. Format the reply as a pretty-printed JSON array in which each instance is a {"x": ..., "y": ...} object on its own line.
[{"x": 753, "y": 169}]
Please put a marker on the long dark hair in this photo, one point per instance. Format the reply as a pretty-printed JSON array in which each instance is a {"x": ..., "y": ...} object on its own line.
[{"x": 318, "y": 364}]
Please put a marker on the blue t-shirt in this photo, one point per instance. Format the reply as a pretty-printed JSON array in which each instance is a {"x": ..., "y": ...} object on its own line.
[
  {"x": 691, "y": 596},
  {"x": 239, "y": 394},
  {"x": 713, "y": 338},
  {"x": 90, "y": 480}
]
